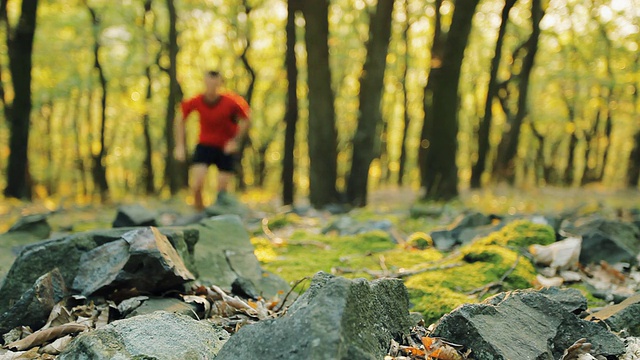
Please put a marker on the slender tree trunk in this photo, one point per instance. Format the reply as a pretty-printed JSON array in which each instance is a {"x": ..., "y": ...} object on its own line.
[
  {"x": 492, "y": 90},
  {"x": 589, "y": 170},
  {"x": 507, "y": 149},
  {"x": 147, "y": 165},
  {"x": 98, "y": 168},
  {"x": 439, "y": 171},
  {"x": 322, "y": 136},
  {"x": 20, "y": 50},
  {"x": 405, "y": 97},
  {"x": 633, "y": 171},
  {"x": 569, "y": 171},
  {"x": 78, "y": 158},
  {"x": 370, "y": 119},
  {"x": 246, "y": 141},
  {"x": 176, "y": 173},
  {"x": 291, "y": 115}
]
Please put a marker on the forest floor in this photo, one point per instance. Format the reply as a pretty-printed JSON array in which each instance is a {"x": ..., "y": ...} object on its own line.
[{"x": 375, "y": 241}]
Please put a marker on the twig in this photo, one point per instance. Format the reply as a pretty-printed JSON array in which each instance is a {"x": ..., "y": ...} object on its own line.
[
  {"x": 484, "y": 289},
  {"x": 286, "y": 297}
]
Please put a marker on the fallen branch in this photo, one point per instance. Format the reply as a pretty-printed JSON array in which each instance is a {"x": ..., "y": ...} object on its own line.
[
  {"x": 398, "y": 275},
  {"x": 496, "y": 284}
]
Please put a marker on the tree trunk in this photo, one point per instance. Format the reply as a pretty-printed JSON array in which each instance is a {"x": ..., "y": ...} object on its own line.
[
  {"x": 291, "y": 115},
  {"x": 633, "y": 171},
  {"x": 492, "y": 90},
  {"x": 246, "y": 141},
  {"x": 147, "y": 165},
  {"x": 322, "y": 136},
  {"x": 405, "y": 97},
  {"x": 370, "y": 118},
  {"x": 438, "y": 169},
  {"x": 20, "y": 50},
  {"x": 176, "y": 173},
  {"x": 98, "y": 168},
  {"x": 589, "y": 171},
  {"x": 504, "y": 168}
]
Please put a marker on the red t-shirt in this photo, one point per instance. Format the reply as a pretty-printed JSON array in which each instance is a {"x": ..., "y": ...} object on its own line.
[{"x": 218, "y": 121}]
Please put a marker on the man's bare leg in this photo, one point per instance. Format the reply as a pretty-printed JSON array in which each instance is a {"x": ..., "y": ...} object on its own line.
[
  {"x": 224, "y": 179},
  {"x": 199, "y": 175}
]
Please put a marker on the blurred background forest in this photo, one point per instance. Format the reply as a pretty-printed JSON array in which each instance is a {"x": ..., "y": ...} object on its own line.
[{"x": 346, "y": 95}]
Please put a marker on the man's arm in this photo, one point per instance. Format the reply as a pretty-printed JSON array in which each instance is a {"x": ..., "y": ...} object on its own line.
[
  {"x": 233, "y": 145},
  {"x": 179, "y": 135}
]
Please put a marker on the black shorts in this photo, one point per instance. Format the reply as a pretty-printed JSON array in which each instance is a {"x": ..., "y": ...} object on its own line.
[{"x": 211, "y": 155}]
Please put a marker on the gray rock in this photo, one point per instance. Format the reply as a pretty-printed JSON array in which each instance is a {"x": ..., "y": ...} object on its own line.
[
  {"x": 346, "y": 225},
  {"x": 611, "y": 241},
  {"x": 143, "y": 259},
  {"x": 464, "y": 229},
  {"x": 36, "y": 225},
  {"x": 224, "y": 253},
  {"x": 571, "y": 300},
  {"x": 336, "y": 318},
  {"x": 27, "y": 230},
  {"x": 65, "y": 253},
  {"x": 619, "y": 317},
  {"x": 522, "y": 325},
  {"x": 35, "y": 305},
  {"x": 160, "y": 335},
  {"x": 170, "y": 305},
  {"x": 134, "y": 215}
]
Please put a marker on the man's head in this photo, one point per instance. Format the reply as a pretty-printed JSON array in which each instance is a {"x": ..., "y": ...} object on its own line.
[{"x": 213, "y": 82}]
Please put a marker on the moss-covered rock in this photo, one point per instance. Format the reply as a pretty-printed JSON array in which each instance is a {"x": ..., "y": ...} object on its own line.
[{"x": 521, "y": 234}]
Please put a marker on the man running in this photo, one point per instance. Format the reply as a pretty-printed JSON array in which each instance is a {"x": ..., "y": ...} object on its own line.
[{"x": 224, "y": 120}]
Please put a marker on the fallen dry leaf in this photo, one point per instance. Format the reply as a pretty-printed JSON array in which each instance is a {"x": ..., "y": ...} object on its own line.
[
  {"x": 42, "y": 336},
  {"x": 436, "y": 348},
  {"x": 411, "y": 351},
  {"x": 57, "y": 346}
]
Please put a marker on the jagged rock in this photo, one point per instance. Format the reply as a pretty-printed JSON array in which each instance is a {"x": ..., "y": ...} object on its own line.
[
  {"x": 34, "y": 306},
  {"x": 619, "y": 317},
  {"x": 143, "y": 259},
  {"x": 336, "y": 318},
  {"x": 224, "y": 253},
  {"x": 65, "y": 254},
  {"x": 523, "y": 325},
  {"x": 134, "y": 215},
  {"x": 464, "y": 229},
  {"x": 160, "y": 335},
  {"x": 602, "y": 239}
]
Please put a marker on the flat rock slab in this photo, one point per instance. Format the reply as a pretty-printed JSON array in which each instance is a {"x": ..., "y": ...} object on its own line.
[
  {"x": 160, "y": 335},
  {"x": 224, "y": 253},
  {"x": 522, "y": 325},
  {"x": 35, "y": 305},
  {"x": 336, "y": 318}
]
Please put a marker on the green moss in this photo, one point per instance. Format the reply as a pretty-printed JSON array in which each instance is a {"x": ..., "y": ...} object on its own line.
[
  {"x": 420, "y": 240},
  {"x": 435, "y": 301},
  {"x": 283, "y": 219},
  {"x": 521, "y": 234},
  {"x": 592, "y": 301}
]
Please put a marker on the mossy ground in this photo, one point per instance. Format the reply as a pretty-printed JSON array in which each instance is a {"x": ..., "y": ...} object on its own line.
[{"x": 432, "y": 293}]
